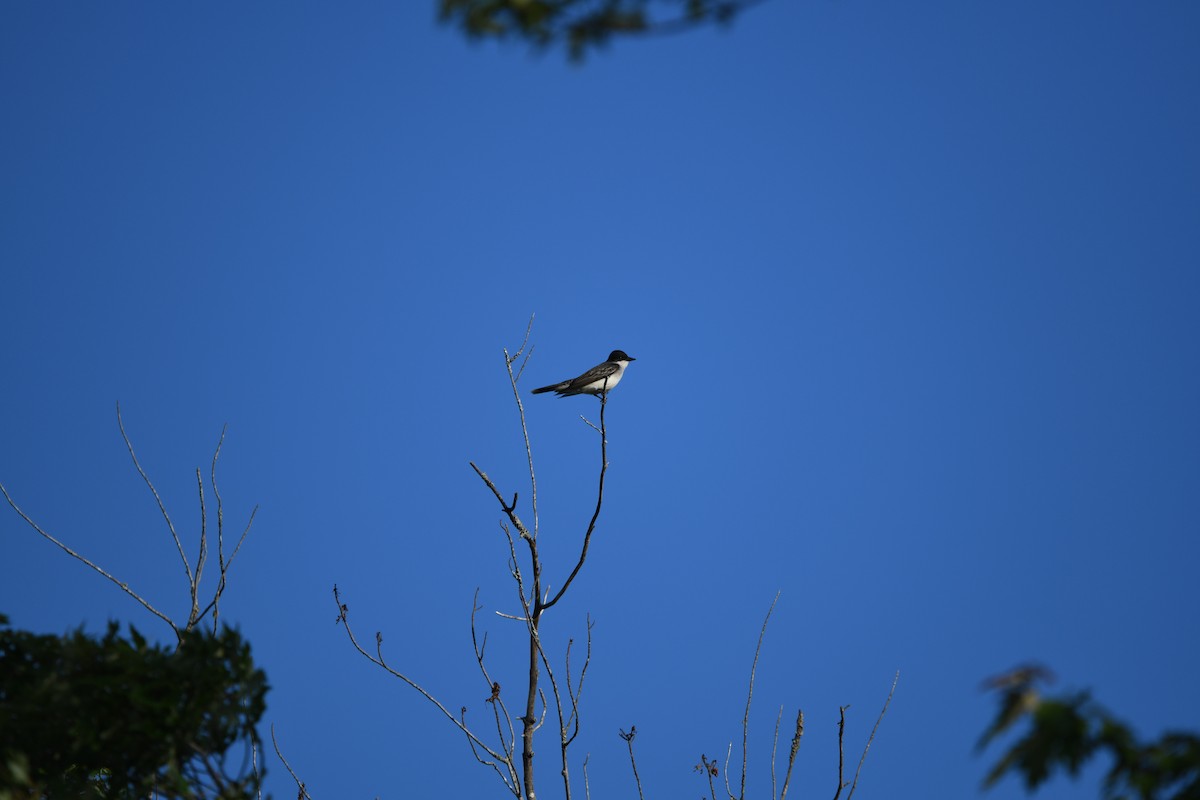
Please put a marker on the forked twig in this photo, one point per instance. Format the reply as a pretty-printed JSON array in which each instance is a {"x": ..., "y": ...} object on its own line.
[
  {"x": 711, "y": 770},
  {"x": 343, "y": 618},
  {"x": 497, "y": 702}
]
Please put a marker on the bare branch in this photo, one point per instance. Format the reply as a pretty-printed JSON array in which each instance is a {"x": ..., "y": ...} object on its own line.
[
  {"x": 628, "y": 737},
  {"x": 121, "y": 584},
  {"x": 578, "y": 692},
  {"x": 303, "y": 795},
  {"x": 563, "y": 723},
  {"x": 871, "y": 738},
  {"x": 775, "y": 749},
  {"x": 514, "y": 789},
  {"x": 220, "y": 590},
  {"x": 378, "y": 660},
  {"x": 750, "y": 697},
  {"x": 223, "y": 564},
  {"x": 494, "y": 687},
  {"x": 254, "y": 767},
  {"x": 242, "y": 538},
  {"x": 841, "y": 751},
  {"x": 162, "y": 508},
  {"x": 728, "y": 755},
  {"x": 525, "y": 341},
  {"x": 512, "y": 379},
  {"x": 509, "y": 510},
  {"x": 202, "y": 555},
  {"x": 587, "y": 536}
]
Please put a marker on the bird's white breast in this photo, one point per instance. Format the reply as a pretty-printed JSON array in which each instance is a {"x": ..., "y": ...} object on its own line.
[{"x": 613, "y": 379}]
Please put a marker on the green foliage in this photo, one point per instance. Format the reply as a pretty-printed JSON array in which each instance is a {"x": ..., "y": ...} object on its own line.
[
  {"x": 583, "y": 24},
  {"x": 1066, "y": 732},
  {"x": 118, "y": 717}
]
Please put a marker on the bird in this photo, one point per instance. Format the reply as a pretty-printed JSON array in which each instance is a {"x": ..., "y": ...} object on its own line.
[{"x": 598, "y": 380}]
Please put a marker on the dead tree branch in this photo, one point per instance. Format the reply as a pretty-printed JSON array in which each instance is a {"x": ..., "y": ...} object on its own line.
[
  {"x": 193, "y": 575},
  {"x": 750, "y": 697},
  {"x": 378, "y": 660},
  {"x": 587, "y": 536},
  {"x": 841, "y": 751},
  {"x": 303, "y": 792},
  {"x": 120, "y": 584},
  {"x": 871, "y": 738},
  {"x": 628, "y": 737}
]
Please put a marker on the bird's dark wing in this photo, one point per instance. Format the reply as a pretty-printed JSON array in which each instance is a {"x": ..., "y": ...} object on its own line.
[
  {"x": 575, "y": 385},
  {"x": 596, "y": 373}
]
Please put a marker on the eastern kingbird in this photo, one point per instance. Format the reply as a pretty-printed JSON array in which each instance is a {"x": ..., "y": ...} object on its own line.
[{"x": 597, "y": 380}]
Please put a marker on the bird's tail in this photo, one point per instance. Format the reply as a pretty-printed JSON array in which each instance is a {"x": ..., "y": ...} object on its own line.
[{"x": 554, "y": 387}]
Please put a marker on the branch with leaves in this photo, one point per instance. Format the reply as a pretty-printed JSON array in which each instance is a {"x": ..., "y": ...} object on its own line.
[
  {"x": 1064, "y": 732},
  {"x": 580, "y": 25}
]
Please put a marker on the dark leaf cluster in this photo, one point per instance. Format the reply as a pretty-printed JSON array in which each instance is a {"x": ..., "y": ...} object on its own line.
[
  {"x": 580, "y": 25},
  {"x": 1065, "y": 732},
  {"x": 116, "y": 716}
]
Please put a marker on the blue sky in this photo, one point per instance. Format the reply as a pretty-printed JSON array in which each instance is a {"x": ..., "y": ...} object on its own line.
[{"x": 913, "y": 290}]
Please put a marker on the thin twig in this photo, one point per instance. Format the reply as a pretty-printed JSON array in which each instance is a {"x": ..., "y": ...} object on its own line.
[
  {"x": 378, "y": 660},
  {"x": 587, "y": 788},
  {"x": 254, "y": 766},
  {"x": 563, "y": 740},
  {"x": 507, "y": 760},
  {"x": 582, "y": 674},
  {"x": 728, "y": 756},
  {"x": 775, "y": 748},
  {"x": 587, "y": 536},
  {"x": 121, "y": 584},
  {"x": 162, "y": 508},
  {"x": 303, "y": 795},
  {"x": 494, "y": 687},
  {"x": 628, "y": 737},
  {"x": 508, "y": 362},
  {"x": 220, "y": 590},
  {"x": 221, "y": 566},
  {"x": 841, "y": 752},
  {"x": 871, "y": 738},
  {"x": 202, "y": 555},
  {"x": 528, "y": 329},
  {"x": 750, "y": 697},
  {"x": 510, "y": 510}
]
